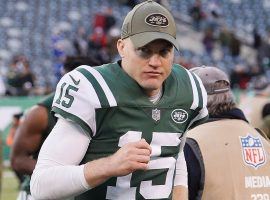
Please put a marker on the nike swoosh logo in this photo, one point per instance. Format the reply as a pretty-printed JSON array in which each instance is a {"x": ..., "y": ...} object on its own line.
[{"x": 74, "y": 81}]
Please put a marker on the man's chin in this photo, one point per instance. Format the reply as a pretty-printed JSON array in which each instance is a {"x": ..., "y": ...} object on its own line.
[{"x": 151, "y": 87}]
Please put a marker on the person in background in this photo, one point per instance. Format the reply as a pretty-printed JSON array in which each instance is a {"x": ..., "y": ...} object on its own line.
[
  {"x": 252, "y": 104},
  {"x": 16, "y": 120},
  {"x": 31, "y": 133},
  {"x": 80, "y": 42},
  {"x": 20, "y": 79},
  {"x": 226, "y": 157},
  {"x": 121, "y": 126},
  {"x": 265, "y": 126},
  {"x": 2, "y": 86}
]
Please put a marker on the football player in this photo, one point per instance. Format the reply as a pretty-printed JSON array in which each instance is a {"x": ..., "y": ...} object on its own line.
[
  {"x": 120, "y": 127},
  {"x": 33, "y": 130}
]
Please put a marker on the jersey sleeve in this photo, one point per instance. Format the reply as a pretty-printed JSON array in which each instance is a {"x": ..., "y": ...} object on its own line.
[
  {"x": 203, "y": 112},
  {"x": 76, "y": 100},
  {"x": 199, "y": 100}
]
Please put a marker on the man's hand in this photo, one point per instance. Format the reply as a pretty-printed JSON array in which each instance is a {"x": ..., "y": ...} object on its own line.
[{"x": 129, "y": 158}]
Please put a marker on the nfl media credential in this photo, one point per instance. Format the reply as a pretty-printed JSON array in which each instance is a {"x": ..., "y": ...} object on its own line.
[{"x": 257, "y": 182}]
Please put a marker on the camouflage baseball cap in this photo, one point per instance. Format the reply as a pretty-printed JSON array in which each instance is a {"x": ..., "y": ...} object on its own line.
[
  {"x": 210, "y": 76},
  {"x": 149, "y": 21}
]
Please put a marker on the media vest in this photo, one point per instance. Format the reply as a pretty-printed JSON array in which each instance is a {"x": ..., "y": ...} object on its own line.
[{"x": 236, "y": 160}]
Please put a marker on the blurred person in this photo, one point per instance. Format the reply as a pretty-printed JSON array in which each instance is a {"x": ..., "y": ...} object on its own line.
[
  {"x": 16, "y": 120},
  {"x": 208, "y": 41},
  {"x": 61, "y": 48},
  {"x": 253, "y": 102},
  {"x": 110, "y": 20},
  {"x": 224, "y": 38},
  {"x": 121, "y": 125},
  {"x": 97, "y": 45},
  {"x": 213, "y": 19},
  {"x": 80, "y": 42},
  {"x": 226, "y": 157},
  {"x": 2, "y": 86},
  {"x": 263, "y": 56},
  {"x": 197, "y": 14},
  {"x": 240, "y": 76},
  {"x": 234, "y": 46},
  {"x": 265, "y": 126},
  {"x": 113, "y": 36},
  {"x": 31, "y": 133},
  {"x": 257, "y": 39},
  {"x": 20, "y": 79}
]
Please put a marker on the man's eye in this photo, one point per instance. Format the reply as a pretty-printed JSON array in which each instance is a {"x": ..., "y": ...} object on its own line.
[
  {"x": 144, "y": 52},
  {"x": 164, "y": 52}
]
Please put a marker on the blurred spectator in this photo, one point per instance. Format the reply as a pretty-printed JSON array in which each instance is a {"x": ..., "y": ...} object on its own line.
[
  {"x": 17, "y": 119},
  {"x": 97, "y": 45},
  {"x": 20, "y": 79},
  {"x": 58, "y": 50},
  {"x": 224, "y": 39},
  {"x": 234, "y": 45},
  {"x": 263, "y": 57},
  {"x": 252, "y": 104},
  {"x": 80, "y": 42},
  {"x": 213, "y": 18},
  {"x": 2, "y": 86},
  {"x": 99, "y": 20},
  {"x": 196, "y": 14},
  {"x": 208, "y": 41},
  {"x": 113, "y": 36},
  {"x": 240, "y": 77},
  {"x": 14, "y": 125},
  {"x": 97, "y": 39},
  {"x": 257, "y": 40},
  {"x": 109, "y": 20},
  {"x": 265, "y": 126}
]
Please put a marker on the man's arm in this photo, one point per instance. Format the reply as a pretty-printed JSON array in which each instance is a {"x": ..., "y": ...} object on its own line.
[
  {"x": 63, "y": 150},
  {"x": 180, "y": 189},
  {"x": 27, "y": 140},
  {"x": 131, "y": 157},
  {"x": 180, "y": 193}
]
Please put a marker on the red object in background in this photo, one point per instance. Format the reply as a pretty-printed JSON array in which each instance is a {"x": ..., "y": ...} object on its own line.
[{"x": 99, "y": 21}]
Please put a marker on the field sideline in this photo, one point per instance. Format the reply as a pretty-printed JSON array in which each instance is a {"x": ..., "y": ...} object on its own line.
[{"x": 9, "y": 188}]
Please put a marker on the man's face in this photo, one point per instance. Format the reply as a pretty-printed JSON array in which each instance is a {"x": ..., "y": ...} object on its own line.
[{"x": 149, "y": 65}]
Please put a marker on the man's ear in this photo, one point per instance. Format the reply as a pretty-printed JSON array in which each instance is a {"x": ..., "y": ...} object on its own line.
[{"x": 120, "y": 47}]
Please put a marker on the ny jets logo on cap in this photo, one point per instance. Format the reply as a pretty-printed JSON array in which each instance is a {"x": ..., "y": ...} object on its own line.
[
  {"x": 157, "y": 19},
  {"x": 179, "y": 115}
]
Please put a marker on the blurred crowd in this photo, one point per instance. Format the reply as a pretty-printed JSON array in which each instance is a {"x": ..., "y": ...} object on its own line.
[
  {"x": 210, "y": 22},
  {"x": 99, "y": 40}
]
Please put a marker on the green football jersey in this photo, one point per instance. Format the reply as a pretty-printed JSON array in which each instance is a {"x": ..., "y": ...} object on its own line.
[{"x": 114, "y": 110}]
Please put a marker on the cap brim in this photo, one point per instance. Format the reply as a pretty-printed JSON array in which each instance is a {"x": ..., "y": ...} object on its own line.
[{"x": 142, "y": 39}]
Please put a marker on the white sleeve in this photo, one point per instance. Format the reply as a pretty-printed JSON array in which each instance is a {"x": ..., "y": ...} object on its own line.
[
  {"x": 181, "y": 171},
  {"x": 57, "y": 173}
]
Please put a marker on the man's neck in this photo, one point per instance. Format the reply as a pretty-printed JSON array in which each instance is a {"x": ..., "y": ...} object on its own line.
[{"x": 156, "y": 97}]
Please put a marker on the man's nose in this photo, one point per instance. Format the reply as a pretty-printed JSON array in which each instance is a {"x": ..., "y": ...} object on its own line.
[{"x": 155, "y": 60}]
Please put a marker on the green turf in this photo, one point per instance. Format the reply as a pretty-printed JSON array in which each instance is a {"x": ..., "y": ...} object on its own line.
[{"x": 9, "y": 189}]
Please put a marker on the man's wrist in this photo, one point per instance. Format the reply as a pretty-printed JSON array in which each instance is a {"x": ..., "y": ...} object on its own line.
[{"x": 97, "y": 171}]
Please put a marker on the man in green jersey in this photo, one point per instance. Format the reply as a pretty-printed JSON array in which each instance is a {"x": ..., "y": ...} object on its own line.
[
  {"x": 33, "y": 130},
  {"x": 121, "y": 126}
]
